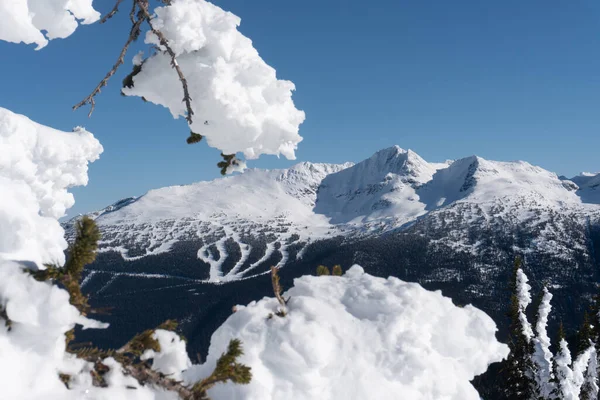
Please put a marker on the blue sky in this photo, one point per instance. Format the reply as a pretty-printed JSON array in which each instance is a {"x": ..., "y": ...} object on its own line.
[{"x": 504, "y": 80}]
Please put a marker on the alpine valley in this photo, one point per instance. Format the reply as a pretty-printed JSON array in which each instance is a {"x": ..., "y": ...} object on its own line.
[{"x": 193, "y": 252}]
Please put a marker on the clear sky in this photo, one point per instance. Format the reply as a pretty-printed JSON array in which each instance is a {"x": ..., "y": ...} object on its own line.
[{"x": 504, "y": 80}]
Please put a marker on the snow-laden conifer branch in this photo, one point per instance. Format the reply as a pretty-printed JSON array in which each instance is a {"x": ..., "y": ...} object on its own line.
[
  {"x": 143, "y": 4},
  {"x": 143, "y": 15}
]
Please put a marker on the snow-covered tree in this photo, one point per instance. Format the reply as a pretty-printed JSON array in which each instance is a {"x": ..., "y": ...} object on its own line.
[
  {"x": 520, "y": 370},
  {"x": 590, "y": 389},
  {"x": 575, "y": 380},
  {"x": 542, "y": 356},
  {"x": 565, "y": 388},
  {"x": 554, "y": 377},
  {"x": 586, "y": 343}
]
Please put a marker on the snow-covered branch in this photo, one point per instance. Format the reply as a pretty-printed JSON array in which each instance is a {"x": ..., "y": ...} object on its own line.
[{"x": 197, "y": 64}]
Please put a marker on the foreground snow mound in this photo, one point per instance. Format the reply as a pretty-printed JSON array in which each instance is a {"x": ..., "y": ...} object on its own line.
[
  {"x": 239, "y": 104},
  {"x": 37, "y": 165},
  {"x": 357, "y": 337},
  {"x": 30, "y": 21}
]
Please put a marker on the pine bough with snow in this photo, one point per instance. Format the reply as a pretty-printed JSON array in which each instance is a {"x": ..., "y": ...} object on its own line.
[
  {"x": 231, "y": 96},
  {"x": 533, "y": 371},
  {"x": 343, "y": 336}
]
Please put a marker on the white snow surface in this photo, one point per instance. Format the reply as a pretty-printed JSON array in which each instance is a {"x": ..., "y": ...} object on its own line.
[
  {"x": 38, "y": 21},
  {"x": 239, "y": 104},
  {"x": 37, "y": 166},
  {"x": 357, "y": 337},
  {"x": 172, "y": 358}
]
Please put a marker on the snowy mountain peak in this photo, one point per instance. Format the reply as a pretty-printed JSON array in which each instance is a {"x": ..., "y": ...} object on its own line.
[
  {"x": 288, "y": 209},
  {"x": 482, "y": 180},
  {"x": 395, "y": 160},
  {"x": 383, "y": 185},
  {"x": 589, "y": 187}
]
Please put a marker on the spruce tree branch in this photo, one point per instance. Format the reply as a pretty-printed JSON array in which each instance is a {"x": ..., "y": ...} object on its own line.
[
  {"x": 112, "y": 12},
  {"x": 144, "y": 375},
  {"x": 133, "y": 35},
  {"x": 143, "y": 5}
]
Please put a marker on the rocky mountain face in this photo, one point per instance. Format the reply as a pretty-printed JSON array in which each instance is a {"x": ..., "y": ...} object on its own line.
[{"x": 192, "y": 252}]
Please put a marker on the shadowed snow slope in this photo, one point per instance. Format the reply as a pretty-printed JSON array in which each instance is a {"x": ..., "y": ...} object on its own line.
[
  {"x": 589, "y": 187},
  {"x": 481, "y": 180},
  {"x": 357, "y": 337}
]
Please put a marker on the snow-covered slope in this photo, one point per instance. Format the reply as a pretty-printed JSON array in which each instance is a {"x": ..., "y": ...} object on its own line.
[
  {"x": 588, "y": 187},
  {"x": 357, "y": 337},
  {"x": 276, "y": 205},
  {"x": 241, "y": 222},
  {"x": 382, "y": 187}
]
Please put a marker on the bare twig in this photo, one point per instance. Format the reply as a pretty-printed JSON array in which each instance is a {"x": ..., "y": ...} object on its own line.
[
  {"x": 112, "y": 12},
  {"x": 132, "y": 12},
  {"x": 134, "y": 33},
  {"x": 146, "y": 375},
  {"x": 143, "y": 5},
  {"x": 277, "y": 290},
  {"x": 143, "y": 15}
]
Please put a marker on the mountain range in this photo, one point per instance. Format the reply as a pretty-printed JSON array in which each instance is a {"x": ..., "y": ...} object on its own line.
[{"x": 192, "y": 252}]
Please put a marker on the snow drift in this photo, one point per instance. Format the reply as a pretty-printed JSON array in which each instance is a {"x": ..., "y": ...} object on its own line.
[
  {"x": 37, "y": 165},
  {"x": 357, "y": 337}
]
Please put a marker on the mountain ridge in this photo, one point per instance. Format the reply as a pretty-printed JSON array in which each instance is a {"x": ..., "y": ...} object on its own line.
[{"x": 294, "y": 207}]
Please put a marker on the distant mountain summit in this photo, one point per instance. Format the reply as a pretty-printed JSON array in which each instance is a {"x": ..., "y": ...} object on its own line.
[{"x": 391, "y": 190}]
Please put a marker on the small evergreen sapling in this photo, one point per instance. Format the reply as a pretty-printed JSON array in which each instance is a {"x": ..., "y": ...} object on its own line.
[
  {"x": 337, "y": 270},
  {"x": 322, "y": 270},
  {"x": 82, "y": 252},
  {"x": 520, "y": 384}
]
